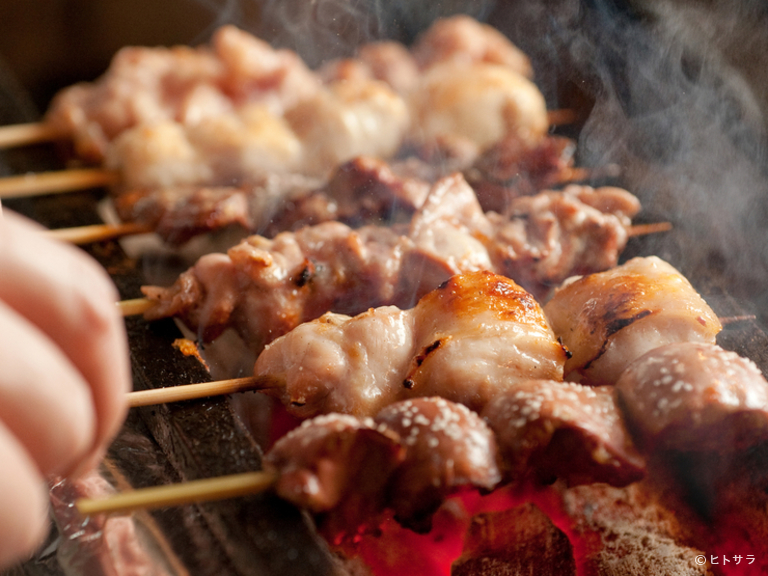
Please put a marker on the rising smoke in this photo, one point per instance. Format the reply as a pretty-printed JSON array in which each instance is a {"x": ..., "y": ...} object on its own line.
[{"x": 676, "y": 92}]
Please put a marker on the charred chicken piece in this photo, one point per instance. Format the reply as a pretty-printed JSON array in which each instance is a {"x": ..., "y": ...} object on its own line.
[
  {"x": 694, "y": 397},
  {"x": 448, "y": 447},
  {"x": 563, "y": 430},
  {"x": 466, "y": 341},
  {"x": 608, "y": 319}
]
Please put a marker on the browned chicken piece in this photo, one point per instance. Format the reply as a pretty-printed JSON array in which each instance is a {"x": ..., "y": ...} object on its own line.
[
  {"x": 609, "y": 319},
  {"x": 463, "y": 39},
  {"x": 180, "y": 213},
  {"x": 511, "y": 168},
  {"x": 550, "y": 429},
  {"x": 364, "y": 190},
  {"x": 181, "y": 84},
  {"x": 448, "y": 447},
  {"x": 414, "y": 455},
  {"x": 696, "y": 397},
  {"x": 466, "y": 341},
  {"x": 552, "y": 235},
  {"x": 338, "y": 466},
  {"x": 367, "y": 188},
  {"x": 264, "y": 288}
]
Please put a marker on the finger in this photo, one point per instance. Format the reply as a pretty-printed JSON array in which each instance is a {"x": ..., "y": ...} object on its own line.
[
  {"x": 23, "y": 501},
  {"x": 44, "y": 400},
  {"x": 69, "y": 297}
]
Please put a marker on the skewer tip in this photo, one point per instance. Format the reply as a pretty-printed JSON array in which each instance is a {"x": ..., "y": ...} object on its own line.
[{"x": 135, "y": 307}]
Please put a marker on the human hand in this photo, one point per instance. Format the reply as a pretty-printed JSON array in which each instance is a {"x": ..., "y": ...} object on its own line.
[{"x": 64, "y": 374}]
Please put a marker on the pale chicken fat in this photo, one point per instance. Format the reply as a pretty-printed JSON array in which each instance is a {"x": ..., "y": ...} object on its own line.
[
  {"x": 348, "y": 118},
  {"x": 245, "y": 145},
  {"x": 608, "y": 319},
  {"x": 478, "y": 102}
]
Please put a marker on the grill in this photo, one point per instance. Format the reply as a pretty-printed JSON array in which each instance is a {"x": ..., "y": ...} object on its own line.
[{"x": 262, "y": 534}]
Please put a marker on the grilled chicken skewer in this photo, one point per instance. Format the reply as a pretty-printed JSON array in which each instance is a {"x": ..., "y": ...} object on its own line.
[
  {"x": 365, "y": 190},
  {"x": 686, "y": 396},
  {"x": 409, "y": 458},
  {"x": 469, "y": 304},
  {"x": 465, "y": 341},
  {"x": 264, "y": 288},
  {"x": 238, "y": 110}
]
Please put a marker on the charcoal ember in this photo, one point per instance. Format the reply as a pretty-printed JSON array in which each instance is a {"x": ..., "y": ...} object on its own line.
[
  {"x": 549, "y": 430},
  {"x": 514, "y": 542},
  {"x": 628, "y": 531}
]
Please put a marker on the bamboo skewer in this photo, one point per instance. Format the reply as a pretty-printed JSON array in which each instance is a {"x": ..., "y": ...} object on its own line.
[
  {"x": 653, "y": 228},
  {"x": 135, "y": 307},
  {"x": 189, "y": 492},
  {"x": 96, "y": 232},
  {"x": 15, "y": 135},
  {"x": 561, "y": 117},
  {"x": 34, "y": 184},
  {"x": 190, "y": 391}
]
